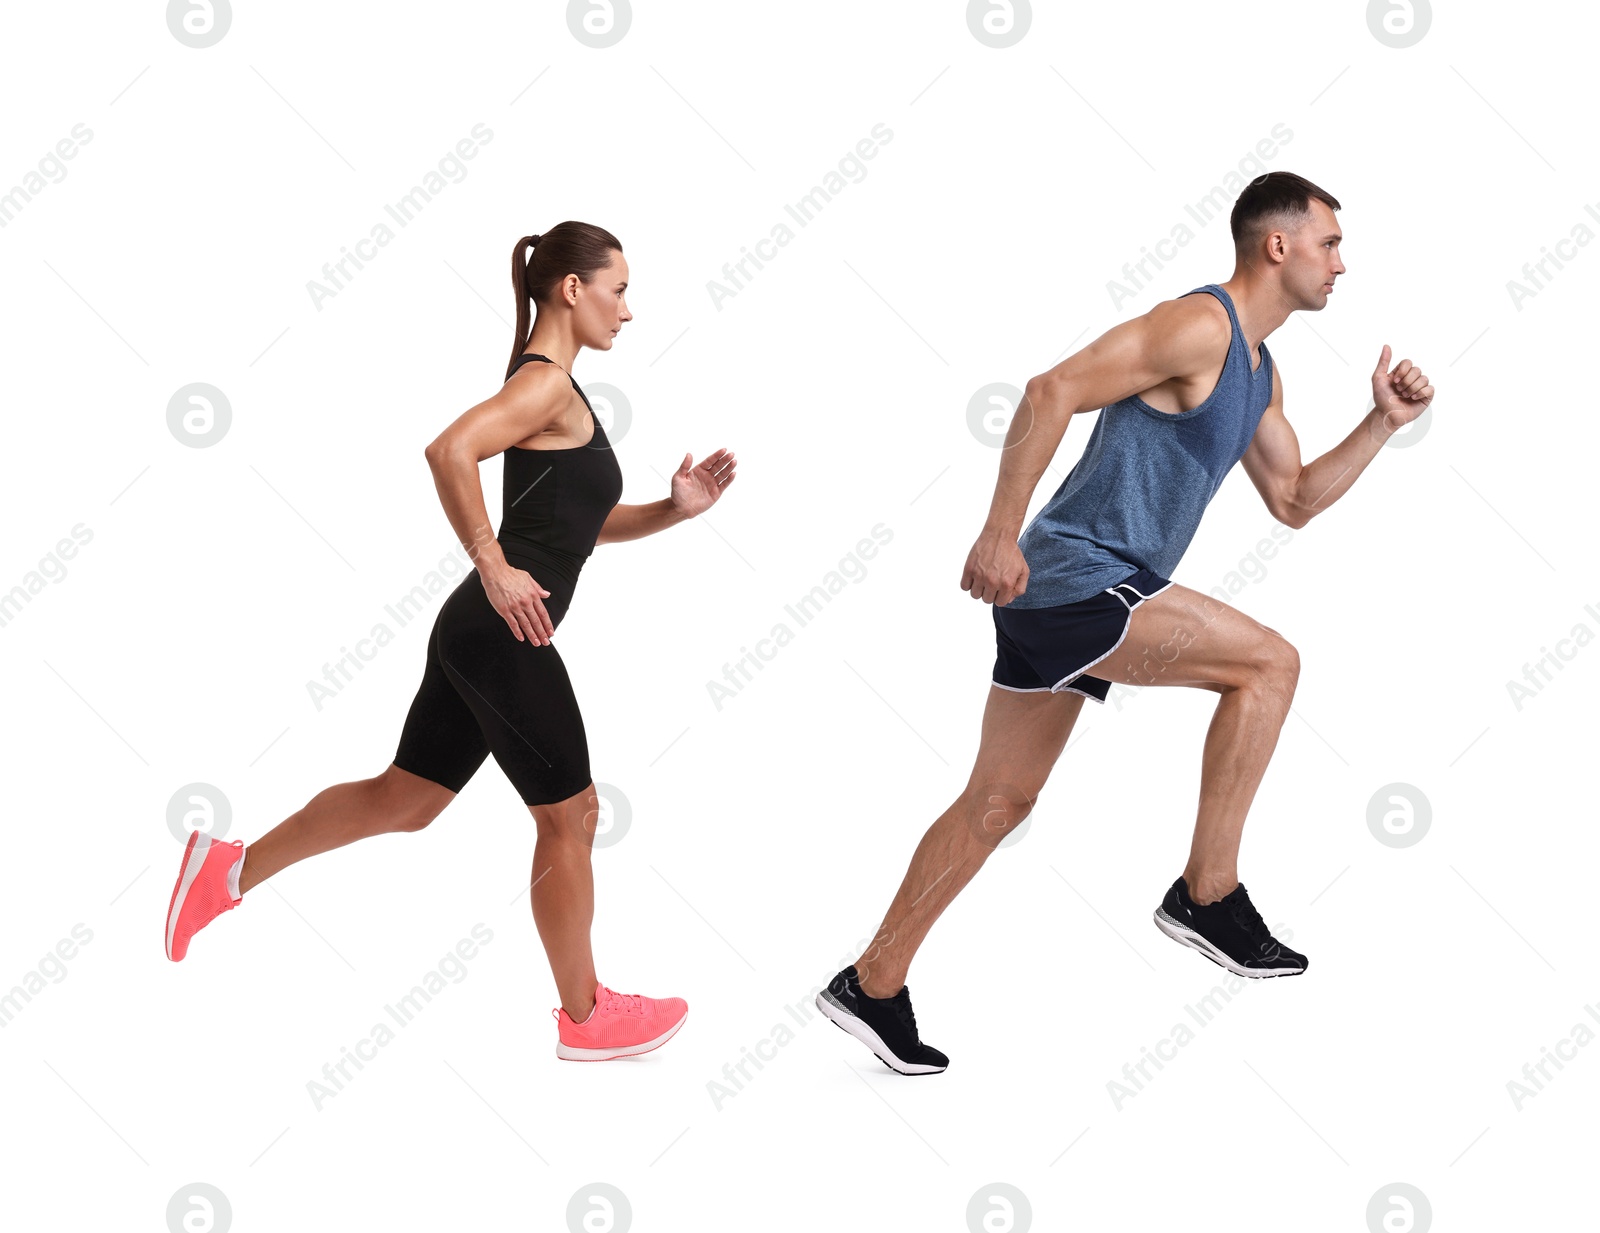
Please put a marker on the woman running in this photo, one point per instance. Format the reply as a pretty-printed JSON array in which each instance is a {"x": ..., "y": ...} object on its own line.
[{"x": 494, "y": 682}]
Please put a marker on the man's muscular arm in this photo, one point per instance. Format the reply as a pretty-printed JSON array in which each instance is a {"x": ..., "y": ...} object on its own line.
[
  {"x": 1295, "y": 492},
  {"x": 1176, "y": 338}
]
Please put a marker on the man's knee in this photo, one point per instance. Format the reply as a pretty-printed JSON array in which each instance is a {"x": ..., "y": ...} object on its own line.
[
  {"x": 1274, "y": 665},
  {"x": 997, "y": 807}
]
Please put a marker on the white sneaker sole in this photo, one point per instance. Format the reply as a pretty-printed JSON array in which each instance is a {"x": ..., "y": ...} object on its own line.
[
  {"x": 191, "y": 870},
  {"x": 850, "y": 1023},
  {"x": 1188, "y": 937},
  {"x": 572, "y": 1054}
]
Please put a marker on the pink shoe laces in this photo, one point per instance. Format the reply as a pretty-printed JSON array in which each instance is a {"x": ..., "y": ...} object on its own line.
[{"x": 616, "y": 1003}]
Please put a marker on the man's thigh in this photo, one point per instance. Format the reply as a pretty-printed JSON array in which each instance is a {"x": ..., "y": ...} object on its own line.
[
  {"x": 1183, "y": 637},
  {"x": 1023, "y": 735}
]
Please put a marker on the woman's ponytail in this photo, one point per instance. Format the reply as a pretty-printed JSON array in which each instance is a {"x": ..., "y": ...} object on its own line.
[{"x": 539, "y": 262}]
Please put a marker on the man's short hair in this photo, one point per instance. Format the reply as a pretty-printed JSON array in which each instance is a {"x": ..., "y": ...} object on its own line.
[{"x": 1279, "y": 198}]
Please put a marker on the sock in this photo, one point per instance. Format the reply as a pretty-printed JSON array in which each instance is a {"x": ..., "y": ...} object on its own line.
[{"x": 233, "y": 875}]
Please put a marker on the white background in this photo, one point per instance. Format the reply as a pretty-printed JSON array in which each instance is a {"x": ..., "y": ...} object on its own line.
[{"x": 767, "y": 836}]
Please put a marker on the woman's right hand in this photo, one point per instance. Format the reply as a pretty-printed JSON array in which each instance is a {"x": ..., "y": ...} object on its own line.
[{"x": 520, "y": 600}]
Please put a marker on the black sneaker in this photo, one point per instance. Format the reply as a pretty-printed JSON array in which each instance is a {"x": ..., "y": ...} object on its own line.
[
  {"x": 1229, "y": 932},
  {"x": 887, "y": 1026}
]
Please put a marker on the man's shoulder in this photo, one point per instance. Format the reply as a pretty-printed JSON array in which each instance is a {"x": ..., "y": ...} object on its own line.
[
  {"x": 1190, "y": 330},
  {"x": 1197, "y": 312}
]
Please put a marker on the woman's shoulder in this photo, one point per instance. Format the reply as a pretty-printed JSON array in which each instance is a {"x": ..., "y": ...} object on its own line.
[{"x": 538, "y": 377}]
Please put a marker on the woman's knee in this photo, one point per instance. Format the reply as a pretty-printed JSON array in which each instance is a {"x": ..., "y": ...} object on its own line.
[
  {"x": 411, "y": 801},
  {"x": 572, "y": 820}
]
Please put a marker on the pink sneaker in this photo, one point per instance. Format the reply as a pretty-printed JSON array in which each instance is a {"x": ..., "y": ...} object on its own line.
[
  {"x": 208, "y": 886},
  {"x": 621, "y": 1025}
]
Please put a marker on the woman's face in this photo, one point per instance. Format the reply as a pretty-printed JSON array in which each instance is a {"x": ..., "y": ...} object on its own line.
[{"x": 601, "y": 305}]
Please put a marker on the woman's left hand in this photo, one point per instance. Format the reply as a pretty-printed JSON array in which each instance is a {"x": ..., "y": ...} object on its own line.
[{"x": 695, "y": 488}]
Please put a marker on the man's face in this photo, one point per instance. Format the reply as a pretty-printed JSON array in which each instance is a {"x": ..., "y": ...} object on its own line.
[{"x": 1311, "y": 258}]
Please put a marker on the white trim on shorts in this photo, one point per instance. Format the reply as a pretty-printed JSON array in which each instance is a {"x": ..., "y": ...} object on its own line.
[
  {"x": 1061, "y": 686},
  {"x": 1126, "y": 626}
]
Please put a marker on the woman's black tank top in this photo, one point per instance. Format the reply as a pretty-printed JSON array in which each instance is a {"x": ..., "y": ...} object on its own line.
[{"x": 554, "y": 502}]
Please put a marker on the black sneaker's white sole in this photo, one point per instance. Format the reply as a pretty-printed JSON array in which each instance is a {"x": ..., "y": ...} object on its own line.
[
  {"x": 843, "y": 1018},
  {"x": 1188, "y": 937}
]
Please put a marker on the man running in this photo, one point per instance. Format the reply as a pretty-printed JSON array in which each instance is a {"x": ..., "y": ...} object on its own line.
[{"x": 1187, "y": 390}]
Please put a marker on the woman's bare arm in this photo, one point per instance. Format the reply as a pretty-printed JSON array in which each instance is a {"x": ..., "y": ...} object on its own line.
[{"x": 526, "y": 404}]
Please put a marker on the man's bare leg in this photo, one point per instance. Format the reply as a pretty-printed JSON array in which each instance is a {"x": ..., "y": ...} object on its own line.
[
  {"x": 1182, "y": 637},
  {"x": 395, "y": 800},
  {"x": 1023, "y": 734}
]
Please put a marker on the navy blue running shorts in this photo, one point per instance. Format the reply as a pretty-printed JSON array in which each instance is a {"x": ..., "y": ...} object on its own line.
[{"x": 1047, "y": 650}]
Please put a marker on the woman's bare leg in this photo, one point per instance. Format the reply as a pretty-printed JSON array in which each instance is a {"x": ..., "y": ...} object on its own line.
[
  {"x": 563, "y": 895},
  {"x": 396, "y": 800}
]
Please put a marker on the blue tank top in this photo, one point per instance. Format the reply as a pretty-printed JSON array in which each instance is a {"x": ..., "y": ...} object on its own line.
[{"x": 1134, "y": 499}]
